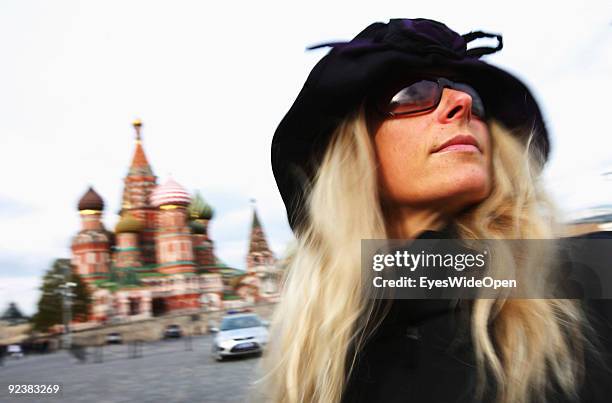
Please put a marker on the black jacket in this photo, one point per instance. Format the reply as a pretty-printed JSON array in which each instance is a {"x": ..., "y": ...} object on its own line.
[{"x": 422, "y": 352}]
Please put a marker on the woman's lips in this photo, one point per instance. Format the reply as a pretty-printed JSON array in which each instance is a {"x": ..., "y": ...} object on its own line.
[
  {"x": 459, "y": 147},
  {"x": 462, "y": 142}
]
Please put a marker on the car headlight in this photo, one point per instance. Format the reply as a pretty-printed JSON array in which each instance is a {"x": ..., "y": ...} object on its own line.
[{"x": 225, "y": 343}]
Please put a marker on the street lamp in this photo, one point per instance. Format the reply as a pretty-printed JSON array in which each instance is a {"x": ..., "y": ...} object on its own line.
[{"x": 65, "y": 290}]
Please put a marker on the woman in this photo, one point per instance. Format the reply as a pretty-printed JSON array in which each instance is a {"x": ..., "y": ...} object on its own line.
[{"x": 403, "y": 132}]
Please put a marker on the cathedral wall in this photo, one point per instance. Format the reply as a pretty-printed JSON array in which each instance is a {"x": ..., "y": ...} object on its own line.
[{"x": 91, "y": 259}]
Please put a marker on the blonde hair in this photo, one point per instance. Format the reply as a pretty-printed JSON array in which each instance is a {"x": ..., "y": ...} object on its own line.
[{"x": 524, "y": 344}]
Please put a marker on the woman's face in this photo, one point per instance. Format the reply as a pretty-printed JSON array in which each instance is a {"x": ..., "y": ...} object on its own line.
[{"x": 439, "y": 159}]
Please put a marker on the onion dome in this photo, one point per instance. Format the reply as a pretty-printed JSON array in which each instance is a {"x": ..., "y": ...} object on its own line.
[
  {"x": 170, "y": 193},
  {"x": 91, "y": 200},
  {"x": 200, "y": 209},
  {"x": 129, "y": 224},
  {"x": 197, "y": 226},
  {"x": 208, "y": 212}
]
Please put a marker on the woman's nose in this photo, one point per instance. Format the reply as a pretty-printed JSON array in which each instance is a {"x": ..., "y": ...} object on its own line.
[{"x": 454, "y": 105}]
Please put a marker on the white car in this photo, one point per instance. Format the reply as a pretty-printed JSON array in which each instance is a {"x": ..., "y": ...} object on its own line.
[
  {"x": 14, "y": 350},
  {"x": 114, "y": 338},
  {"x": 239, "y": 334}
]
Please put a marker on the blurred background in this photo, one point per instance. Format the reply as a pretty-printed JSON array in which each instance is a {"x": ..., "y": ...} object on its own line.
[{"x": 122, "y": 96}]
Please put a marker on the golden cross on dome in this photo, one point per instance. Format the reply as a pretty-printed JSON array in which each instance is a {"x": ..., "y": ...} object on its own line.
[{"x": 137, "y": 123}]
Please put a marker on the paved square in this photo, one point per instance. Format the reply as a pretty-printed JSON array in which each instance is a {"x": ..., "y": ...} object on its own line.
[{"x": 166, "y": 372}]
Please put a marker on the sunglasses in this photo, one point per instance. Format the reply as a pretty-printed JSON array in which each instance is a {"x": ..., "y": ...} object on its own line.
[{"x": 424, "y": 95}]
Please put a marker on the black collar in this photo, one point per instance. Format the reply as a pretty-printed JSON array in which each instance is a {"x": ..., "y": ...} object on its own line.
[{"x": 447, "y": 232}]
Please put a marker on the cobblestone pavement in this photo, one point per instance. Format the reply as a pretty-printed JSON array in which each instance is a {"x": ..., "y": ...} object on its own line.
[{"x": 166, "y": 372}]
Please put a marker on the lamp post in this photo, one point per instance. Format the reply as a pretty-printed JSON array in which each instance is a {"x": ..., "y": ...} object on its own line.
[{"x": 65, "y": 290}]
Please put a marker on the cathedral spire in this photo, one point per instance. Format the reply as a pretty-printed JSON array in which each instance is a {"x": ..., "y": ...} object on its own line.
[
  {"x": 140, "y": 164},
  {"x": 258, "y": 241},
  {"x": 137, "y": 123},
  {"x": 255, "y": 223},
  {"x": 139, "y": 185},
  {"x": 259, "y": 252},
  {"x": 140, "y": 181}
]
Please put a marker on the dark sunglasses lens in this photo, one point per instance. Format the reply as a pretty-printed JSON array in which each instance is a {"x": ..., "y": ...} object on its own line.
[
  {"x": 477, "y": 104},
  {"x": 417, "y": 97}
]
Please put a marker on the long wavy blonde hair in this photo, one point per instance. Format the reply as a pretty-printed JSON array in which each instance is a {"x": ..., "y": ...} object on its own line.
[{"x": 523, "y": 345}]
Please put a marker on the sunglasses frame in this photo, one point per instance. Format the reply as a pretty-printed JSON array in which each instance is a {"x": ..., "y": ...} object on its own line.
[{"x": 441, "y": 83}]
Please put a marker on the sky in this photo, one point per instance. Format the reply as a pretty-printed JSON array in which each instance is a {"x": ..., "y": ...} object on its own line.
[{"x": 212, "y": 80}]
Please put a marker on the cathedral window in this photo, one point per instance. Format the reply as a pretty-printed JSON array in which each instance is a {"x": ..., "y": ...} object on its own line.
[{"x": 134, "y": 306}]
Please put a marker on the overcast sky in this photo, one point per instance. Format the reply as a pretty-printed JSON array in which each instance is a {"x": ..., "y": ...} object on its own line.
[{"x": 212, "y": 80}]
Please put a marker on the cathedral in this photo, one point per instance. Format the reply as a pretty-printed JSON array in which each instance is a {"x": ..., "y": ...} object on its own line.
[{"x": 160, "y": 258}]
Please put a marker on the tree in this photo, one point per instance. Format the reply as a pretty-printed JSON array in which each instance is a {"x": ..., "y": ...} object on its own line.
[
  {"x": 50, "y": 303},
  {"x": 13, "y": 315}
]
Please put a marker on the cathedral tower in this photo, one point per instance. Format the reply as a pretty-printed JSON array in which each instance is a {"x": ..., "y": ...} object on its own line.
[
  {"x": 139, "y": 185},
  {"x": 91, "y": 246},
  {"x": 260, "y": 256},
  {"x": 173, "y": 236}
]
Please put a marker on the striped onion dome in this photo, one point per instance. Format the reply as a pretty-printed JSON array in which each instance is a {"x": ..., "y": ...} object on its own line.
[
  {"x": 170, "y": 193},
  {"x": 129, "y": 224},
  {"x": 199, "y": 208},
  {"x": 91, "y": 200}
]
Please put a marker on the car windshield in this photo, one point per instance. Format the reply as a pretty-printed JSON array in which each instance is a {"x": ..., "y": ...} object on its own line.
[{"x": 240, "y": 322}]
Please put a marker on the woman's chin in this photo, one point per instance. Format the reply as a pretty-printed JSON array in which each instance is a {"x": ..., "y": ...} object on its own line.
[
  {"x": 465, "y": 189},
  {"x": 472, "y": 194}
]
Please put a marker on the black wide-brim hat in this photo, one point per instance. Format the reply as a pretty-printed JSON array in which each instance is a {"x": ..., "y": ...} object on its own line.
[{"x": 380, "y": 54}]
